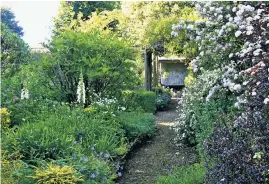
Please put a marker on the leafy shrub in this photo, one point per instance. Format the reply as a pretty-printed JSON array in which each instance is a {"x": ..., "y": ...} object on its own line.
[
  {"x": 31, "y": 110},
  {"x": 137, "y": 124},
  {"x": 184, "y": 175},
  {"x": 5, "y": 118},
  {"x": 62, "y": 132},
  {"x": 94, "y": 169},
  {"x": 56, "y": 174},
  {"x": 9, "y": 164},
  {"x": 163, "y": 97},
  {"x": 105, "y": 61},
  {"x": 139, "y": 99},
  {"x": 193, "y": 101},
  {"x": 237, "y": 148}
]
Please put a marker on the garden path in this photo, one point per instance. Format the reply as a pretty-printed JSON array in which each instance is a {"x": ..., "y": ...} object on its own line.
[{"x": 157, "y": 156}]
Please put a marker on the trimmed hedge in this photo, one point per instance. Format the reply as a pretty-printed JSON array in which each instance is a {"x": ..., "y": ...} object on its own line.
[
  {"x": 137, "y": 124},
  {"x": 146, "y": 100}
]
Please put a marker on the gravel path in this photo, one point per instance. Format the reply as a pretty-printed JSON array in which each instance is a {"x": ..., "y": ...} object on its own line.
[{"x": 157, "y": 156}]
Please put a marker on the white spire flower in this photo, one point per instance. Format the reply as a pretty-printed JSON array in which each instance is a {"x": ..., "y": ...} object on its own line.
[
  {"x": 81, "y": 92},
  {"x": 24, "y": 93}
]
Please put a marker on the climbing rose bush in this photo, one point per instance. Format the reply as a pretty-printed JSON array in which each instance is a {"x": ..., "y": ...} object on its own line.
[{"x": 233, "y": 37}]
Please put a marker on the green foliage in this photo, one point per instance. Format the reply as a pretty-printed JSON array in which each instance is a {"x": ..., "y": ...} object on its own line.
[
  {"x": 14, "y": 51},
  {"x": 105, "y": 61},
  {"x": 190, "y": 77},
  {"x": 74, "y": 130},
  {"x": 136, "y": 124},
  {"x": 194, "y": 101},
  {"x": 56, "y": 174},
  {"x": 150, "y": 25},
  {"x": 8, "y": 18},
  {"x": 158, "y": 32},
  {"x": 72, "y": 11},
  {"x": 184, "y": 175},
  {"x": 146, "y": 100}
]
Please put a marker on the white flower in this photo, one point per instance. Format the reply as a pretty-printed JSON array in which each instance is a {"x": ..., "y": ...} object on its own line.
[
  {"x": 81, "y": 92},
  {"x": 220, "y": 17},
  {"x": 249, "y": 19},
  {"x": 238, "y": 33},
  {"x": 257, "y": 52},
  {"x": 237, "y": 105},
  {"x": 259, "y": 11},
  {"x": 174, "y": 34},
  {"x": 198, "y": 7},
  {"x": 24, "y": 93},
  {"x": 266, "y": 101},
  {"x": 190, "y": 27},
  {"x": 234, "y": 9},
  {"x": 237, "y": 88},
  {"x": 211, "y": 9},
  {"x": 249, "y": 32}
]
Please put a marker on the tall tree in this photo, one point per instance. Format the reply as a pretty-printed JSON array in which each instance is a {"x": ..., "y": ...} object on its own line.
[
  {"x": 80, "y": 10},
  {"x": 8, "y": 18},
  {"x": 14, "y": 51}
]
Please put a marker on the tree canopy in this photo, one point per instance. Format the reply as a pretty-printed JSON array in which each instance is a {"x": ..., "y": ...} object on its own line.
[{"x": 8, "y": 18}]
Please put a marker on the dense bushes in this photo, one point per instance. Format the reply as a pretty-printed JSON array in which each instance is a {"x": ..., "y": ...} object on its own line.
[
  {"x": 146, "y": 100},
  {"x": 137, "y": 124},
  {"x": 105, "y": 62},
  {"x": 70, "y": 137},
  {"x": 47, "y": 139},
  {"x": 227, "y": 114}
]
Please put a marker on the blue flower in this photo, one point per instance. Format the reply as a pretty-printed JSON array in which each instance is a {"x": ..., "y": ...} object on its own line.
[
  {"x": 107, "y": 155},
  {"x": 119, "y": 174},
  {"x": 83, "y": 159},
  {"x": 92, "y": 176},
  {"x": 74, "y": 155}
]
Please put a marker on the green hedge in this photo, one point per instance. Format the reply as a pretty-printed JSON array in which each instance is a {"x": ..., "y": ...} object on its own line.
[
  {"x": 145, "y": 100},
  {"x": 137, "y": 124}
]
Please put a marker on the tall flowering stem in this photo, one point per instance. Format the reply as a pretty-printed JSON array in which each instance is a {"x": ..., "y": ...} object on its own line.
[{"x": 81, "y": 92}]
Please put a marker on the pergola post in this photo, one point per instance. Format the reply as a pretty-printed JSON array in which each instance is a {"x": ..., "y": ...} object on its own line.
[
  {"x": 155, "y": 71},
  {"x": 148, "y": 69}
]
